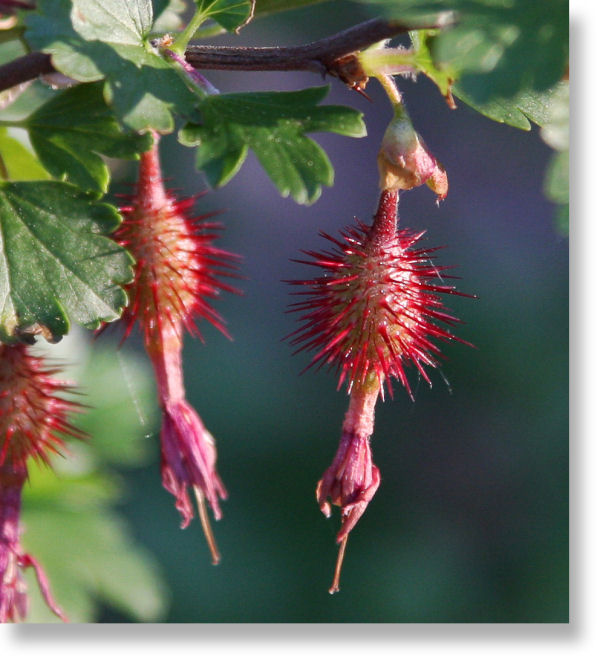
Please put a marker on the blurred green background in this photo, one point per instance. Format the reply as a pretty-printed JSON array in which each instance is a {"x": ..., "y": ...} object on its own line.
[{"x": 470, "y": 523}]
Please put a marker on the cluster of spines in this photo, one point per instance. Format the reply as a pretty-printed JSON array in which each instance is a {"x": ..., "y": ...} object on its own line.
[
  {"x": 175, "y": 252},
  {"x": 33, "y": 407},
  {"x": 375, "y": 309}
]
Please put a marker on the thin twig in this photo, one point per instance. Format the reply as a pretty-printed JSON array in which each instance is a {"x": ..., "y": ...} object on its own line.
[{"x": 319, "y": 56}]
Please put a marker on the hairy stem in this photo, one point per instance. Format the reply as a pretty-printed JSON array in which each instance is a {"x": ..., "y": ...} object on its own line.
[{"x": 387, "y": 82}]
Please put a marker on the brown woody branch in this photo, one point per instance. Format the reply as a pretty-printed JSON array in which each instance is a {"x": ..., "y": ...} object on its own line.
[
  {"x": 24, "y": 68},
  {"x": 323, "y": 56},
  {"x": 318, "y": 56}
]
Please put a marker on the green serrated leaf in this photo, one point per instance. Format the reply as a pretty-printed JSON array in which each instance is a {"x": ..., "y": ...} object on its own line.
[
  {"x": 146, "y": 96},
  {"x": 56, "y": 263},
  {"x": 70, "y": 523},
  {"x": 424, "y": 63},
  {"x": 230, "y": 14},
  {"x": 503, "y": 49},
  {"x": 498, "y": 47},
  {"x": 508, "y": 112},
  {"x": 142, "y": 87},
  {"x": 521, "y": 110},
  {"x": 113, "y": 21},
  {"x": 262, "y": 8},
  {"x": 517, "y": 111},
  {"x": 50, "y": 30},
  {"x": 274, "y": 126},
  {"x": 70, "y": 131},
  {"x": 18, "y": 161},
  {"x": 220, "y": 166},
  {"x": 90, "y": 556}
]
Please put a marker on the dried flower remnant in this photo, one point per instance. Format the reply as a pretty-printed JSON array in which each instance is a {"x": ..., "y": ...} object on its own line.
[
  {"x": 352, "y": 479},
  {"x": 374, "y": 311},
  {"x": 177, "y": 272},
  {"x": 33, "y": 416},
  {"x": 405, "y": 162}
]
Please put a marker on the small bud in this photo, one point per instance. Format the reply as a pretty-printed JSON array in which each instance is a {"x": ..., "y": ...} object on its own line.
[{"x": 405, "y": 162}]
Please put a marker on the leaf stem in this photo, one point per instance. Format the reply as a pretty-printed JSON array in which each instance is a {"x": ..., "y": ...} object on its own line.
[{"x": 181, "y": 41}]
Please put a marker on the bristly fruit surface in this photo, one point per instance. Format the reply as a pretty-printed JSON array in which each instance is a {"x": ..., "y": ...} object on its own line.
[
  {"x": 178, "y": 268},
  {"x": 33, "y": 411},
  {"x": 376, "y": 308}
]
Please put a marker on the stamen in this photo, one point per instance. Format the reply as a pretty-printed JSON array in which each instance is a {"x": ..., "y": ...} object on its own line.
[
  {"x": 335, "y": 586},
  {"x": 206, "y": 527}
]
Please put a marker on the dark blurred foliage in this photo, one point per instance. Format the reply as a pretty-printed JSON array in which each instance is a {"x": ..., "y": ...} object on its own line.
[{"x": 470, "y": 523}]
